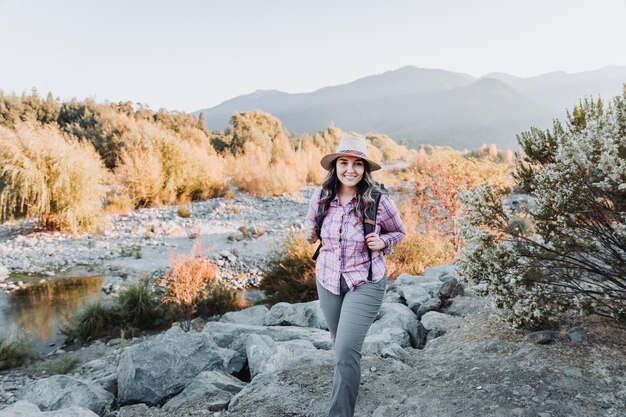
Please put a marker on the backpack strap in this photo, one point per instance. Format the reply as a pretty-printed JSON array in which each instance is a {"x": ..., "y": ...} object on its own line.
[{"x": 369, "y": 222}]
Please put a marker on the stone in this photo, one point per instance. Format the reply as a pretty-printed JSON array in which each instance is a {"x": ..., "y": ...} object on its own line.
[
  {"x": 434, "y": 304},
  {"x": 578, "y": 334},
  {"x": 62, "y": 391},
  {"x": 414, "y": 295},
  {"x": 438, "y": 323},
  {"x": 394, "y": 316},
  {"x": 216, "y": 388},
  {"x": 225, "y": 334},
  {"x": 266, "y": 355},
  {"x": 451, "y": 288},
  {"x": 299, "y": 314},
  {"x": 154, "y": 370},
  {"x": 440, "y": 271},
  {"x": 542, "y": 337},
  {"x": 20, "y": 409}
]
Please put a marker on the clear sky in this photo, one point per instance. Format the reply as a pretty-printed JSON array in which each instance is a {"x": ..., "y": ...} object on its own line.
[{"x": 191, "y": 54}]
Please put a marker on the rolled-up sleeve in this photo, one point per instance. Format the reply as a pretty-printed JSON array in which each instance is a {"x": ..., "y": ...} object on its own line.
[
  {"x": 390, "y": 222},
  {"x": 312, "y": 213}
]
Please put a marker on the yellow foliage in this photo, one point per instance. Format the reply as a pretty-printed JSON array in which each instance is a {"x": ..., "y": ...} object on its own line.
[{"x": 52, "y": 176}]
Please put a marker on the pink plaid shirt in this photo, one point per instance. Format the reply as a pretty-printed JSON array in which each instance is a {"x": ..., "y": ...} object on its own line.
[{"x": 344, "y": 251}]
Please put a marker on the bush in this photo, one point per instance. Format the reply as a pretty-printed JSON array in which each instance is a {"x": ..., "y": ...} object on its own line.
[
  {"x": 290, "y": 272},
  {"x": 16, "y": 352},
  {"x": 419, "y": 251},
  {"x": 61, "y": 364},
  {"x": 575, "y": 261},
  {"x": 94, "y": 320},
  {"x": 48, "y": 175},
  {"x": 139, "y": 306},
  {"x": 218, "y": 299},
  {"x": 186, "y": 283}
]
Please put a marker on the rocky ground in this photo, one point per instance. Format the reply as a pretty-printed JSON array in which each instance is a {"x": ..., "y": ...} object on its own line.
[
  {"x": 431, "y": 352},
  {"x": 142, "y": 241},
  {"x": 467, "y": 363}
]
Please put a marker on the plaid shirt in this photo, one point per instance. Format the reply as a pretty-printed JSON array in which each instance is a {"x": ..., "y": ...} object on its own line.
[{"x": 344, "y": 251}]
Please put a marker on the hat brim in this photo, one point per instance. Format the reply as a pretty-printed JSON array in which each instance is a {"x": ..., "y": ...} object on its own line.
[{"x": 327, "y": 161}]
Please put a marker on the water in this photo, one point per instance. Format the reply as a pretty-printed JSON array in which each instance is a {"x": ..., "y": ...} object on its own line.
[{"x": 41, "y": 309}]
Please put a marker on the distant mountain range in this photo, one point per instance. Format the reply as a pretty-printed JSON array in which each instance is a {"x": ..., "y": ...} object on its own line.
[{"x": 431, "y": 106}]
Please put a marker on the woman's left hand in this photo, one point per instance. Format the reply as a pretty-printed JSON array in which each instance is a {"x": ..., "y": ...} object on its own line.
[{"x": 374, "y": 242}]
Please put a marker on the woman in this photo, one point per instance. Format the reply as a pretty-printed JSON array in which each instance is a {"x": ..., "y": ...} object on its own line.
[{"x": 349, "y": 298}]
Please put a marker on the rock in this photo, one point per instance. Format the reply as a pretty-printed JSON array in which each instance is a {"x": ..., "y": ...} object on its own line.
[
  {"x": 542, "y": 337},
  {"x": 68, "y": 412},
  {"x": 300, "y": 314},
  {"x": 62, "y": 391},
  {"x": 440, "y": 271},
  {"x": 396, "y": 352},
  {"x": 253, "y": 315},
  {"x": 4, "y": 273},
  {"x": 395, "y": 316},
  {"x": 20, "y": 409},
  {"x": 578, "y": 334},
  {"x": 215, "y": 387},
  {"x": 414, "y": 295},
  {"x": 108, "y": 382},
  {"x": 438, "y": 324},
  {"x": 151, "y": 371},
  {"x": 225, "y": 333},
  {"x": 266, "y": 355},
  {"x": 451, "y": 288},
  {"x": 431, "y": 305}
]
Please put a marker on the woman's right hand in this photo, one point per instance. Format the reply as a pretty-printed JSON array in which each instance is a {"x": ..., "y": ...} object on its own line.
[{"x": 311, "y": 235}]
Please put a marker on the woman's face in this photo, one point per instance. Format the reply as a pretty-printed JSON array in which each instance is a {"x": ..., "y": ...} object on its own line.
[{"x": 350, "y": 170}]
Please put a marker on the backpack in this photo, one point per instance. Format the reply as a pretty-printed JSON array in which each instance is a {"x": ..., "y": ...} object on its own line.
[{"x": 369, "y": 222}]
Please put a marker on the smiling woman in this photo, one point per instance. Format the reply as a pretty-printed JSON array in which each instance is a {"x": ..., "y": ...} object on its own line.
[{"x": 350, "y": 272}]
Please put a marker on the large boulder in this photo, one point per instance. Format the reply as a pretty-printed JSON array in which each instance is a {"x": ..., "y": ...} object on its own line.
[
  {"x": 300, "y": 314},
  {"x": 20, "y": 409},
  {"x": 62, "y": 391},
  {"x": 451, "y": 288},
  {"x": 152, "y": 371},
  {"x": 266, "y": 355},
  {"x": 395, "y": 316},
  {"x": 216, "y": 388},
  {"x": 414, "y": 295},
  {"x": 225, "y": 334},
  {"x": 441, "y": 272},
  {"x": 438, "y": 323},
  {"x": 253, "y": 315}
]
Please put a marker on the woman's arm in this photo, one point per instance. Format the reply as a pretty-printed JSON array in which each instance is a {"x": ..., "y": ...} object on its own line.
[
  {"x": 389, "y": 219},
  {"x": 310, "y": 223}
]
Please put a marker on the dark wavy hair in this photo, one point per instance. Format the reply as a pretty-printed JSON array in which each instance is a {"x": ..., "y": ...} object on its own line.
[{"x": 364, "y": 189}]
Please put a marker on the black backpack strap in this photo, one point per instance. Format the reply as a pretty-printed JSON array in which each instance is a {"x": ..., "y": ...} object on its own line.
[
  {"x": 318, "y": 227},
  {"x": 369, "y": 223}
]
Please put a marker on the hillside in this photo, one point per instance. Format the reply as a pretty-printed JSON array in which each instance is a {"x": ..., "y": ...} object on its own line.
[{"x": 430, "y": 106}]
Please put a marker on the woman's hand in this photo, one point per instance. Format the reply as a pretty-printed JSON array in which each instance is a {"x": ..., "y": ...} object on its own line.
[
  {"x": 374, "y": 242},
  {"x": 311, "y": 235}
]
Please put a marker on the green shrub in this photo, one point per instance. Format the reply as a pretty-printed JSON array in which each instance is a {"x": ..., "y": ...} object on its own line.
[
  {"x": 61, "y": 364},
  {"x": 94, "y": 320},
  {"x": 572, "y": 260},
  {"x": 139, "y": 306},
  {"x": 16, "y": 352},
  {"x": 290, "y": 272},
  {"x": 218, "y": 299}
]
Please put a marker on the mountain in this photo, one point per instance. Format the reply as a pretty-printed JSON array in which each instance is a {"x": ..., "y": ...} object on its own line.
[{"x": 430, "y": 106}]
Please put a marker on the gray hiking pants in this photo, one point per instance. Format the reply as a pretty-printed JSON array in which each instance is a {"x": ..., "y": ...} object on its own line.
[{"x": 349, "y": 317}]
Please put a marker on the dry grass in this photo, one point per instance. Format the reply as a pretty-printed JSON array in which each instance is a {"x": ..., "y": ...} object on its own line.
[
  {"x": 51, "y": 176},
  {"x": 290, "y": 272}
]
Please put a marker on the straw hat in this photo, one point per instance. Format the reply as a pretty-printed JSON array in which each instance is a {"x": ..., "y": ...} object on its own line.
[{"x": 350, "y": 146}]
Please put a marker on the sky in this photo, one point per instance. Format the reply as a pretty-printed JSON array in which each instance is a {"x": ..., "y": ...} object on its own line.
[{"x": 188, "y": 55}]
